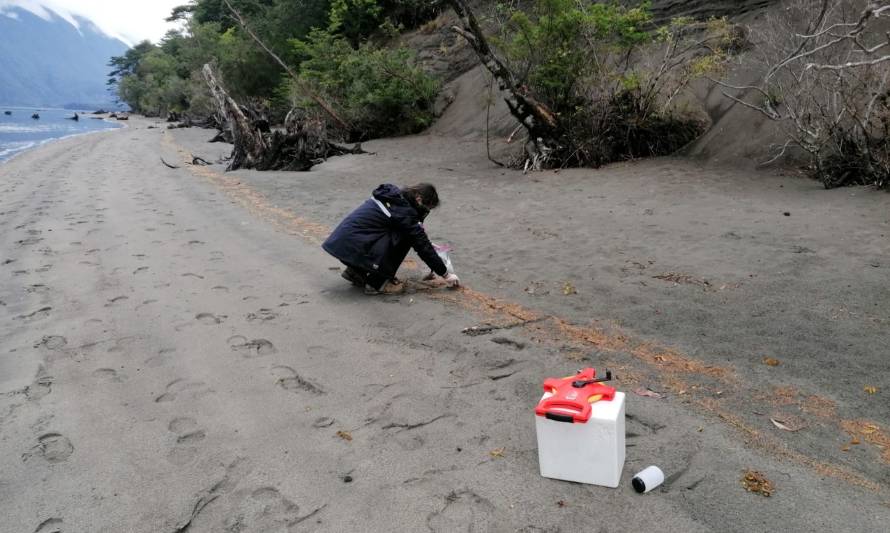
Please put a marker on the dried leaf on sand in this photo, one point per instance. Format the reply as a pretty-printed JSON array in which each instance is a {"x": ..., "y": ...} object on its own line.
[
  {"x": 769, "y": 361},
  {"x": 345, "y": 435},
  {"x": 569, "y": 289},
  {"x": 755, "y": 482},
  {"x": 870, "y": 389},
  {"x": 787, "y": 423},
  {"x": 497, "y": 452},
  {"x": 643, "y": 391}
]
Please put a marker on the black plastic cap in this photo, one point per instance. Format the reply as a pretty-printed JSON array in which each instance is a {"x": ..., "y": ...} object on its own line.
[{"x": 638, "y": 485}]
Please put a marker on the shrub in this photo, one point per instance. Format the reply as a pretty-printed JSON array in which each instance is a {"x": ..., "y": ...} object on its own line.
[
  {"x": 378, "y": 91},
  {"x": 609, "y": 75},
  {"x": 826, "y": 81}
]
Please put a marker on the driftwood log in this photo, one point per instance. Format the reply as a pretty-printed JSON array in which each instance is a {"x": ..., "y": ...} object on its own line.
[{"x": 302, "y": 144}]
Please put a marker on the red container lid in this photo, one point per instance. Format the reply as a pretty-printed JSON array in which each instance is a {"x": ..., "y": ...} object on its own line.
[{"x": 572, "y": 396}]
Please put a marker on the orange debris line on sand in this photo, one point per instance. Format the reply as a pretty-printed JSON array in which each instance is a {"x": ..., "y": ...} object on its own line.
[
  {"x": 811, "y": 404},
  {"x": 871, "y": 433},
  {"x": 253, "y": 200},
  {"x": 781, "y": 450},
  {"x": 557, "y": 329}
]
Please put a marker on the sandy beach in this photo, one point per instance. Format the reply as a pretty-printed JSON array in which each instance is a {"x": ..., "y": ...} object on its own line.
[{"x": 178, "y": 354}]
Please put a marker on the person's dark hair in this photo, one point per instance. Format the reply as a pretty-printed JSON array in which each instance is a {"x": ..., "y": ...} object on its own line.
[{"x": 427, "y": 193}]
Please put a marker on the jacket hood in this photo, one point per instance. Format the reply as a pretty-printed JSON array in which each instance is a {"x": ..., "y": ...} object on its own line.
[{"x": 389, "y": 193}]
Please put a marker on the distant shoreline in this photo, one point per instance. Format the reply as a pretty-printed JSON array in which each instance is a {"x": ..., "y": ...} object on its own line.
[
  {"x": 84, "y": 110},
  {"x": 39, "y": 144}
]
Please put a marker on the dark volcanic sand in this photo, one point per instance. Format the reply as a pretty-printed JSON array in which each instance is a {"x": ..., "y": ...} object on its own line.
[{"x": 177, "y": 353}]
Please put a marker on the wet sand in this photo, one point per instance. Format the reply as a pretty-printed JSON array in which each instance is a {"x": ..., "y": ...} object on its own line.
[{"x": 178, "y": 354}]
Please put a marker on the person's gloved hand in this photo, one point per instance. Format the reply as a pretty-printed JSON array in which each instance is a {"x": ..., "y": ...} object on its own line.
[{"x": 452, "y": 281}]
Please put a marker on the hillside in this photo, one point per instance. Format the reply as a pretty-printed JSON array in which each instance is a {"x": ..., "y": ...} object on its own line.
[
  {"x": 52, "y": 62},
  {"x": 736, "y": 135}
]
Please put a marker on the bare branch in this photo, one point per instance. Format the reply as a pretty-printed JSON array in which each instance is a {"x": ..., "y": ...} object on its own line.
[
  {"x": 848, "y": 65},
  {"x": 777, "y": 156},
  {"x": 759, "y": 109}
]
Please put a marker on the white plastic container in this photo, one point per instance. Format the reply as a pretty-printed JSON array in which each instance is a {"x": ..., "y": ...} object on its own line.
[
  {"x": 589, "y": 452},
  {"x": 649, "y": 478}
]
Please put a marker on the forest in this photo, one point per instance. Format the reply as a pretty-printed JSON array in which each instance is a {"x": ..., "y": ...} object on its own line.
[{"x": 589, "y": 83}]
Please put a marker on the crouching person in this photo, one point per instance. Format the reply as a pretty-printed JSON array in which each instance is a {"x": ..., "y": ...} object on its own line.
[{"x": 373, "y": 240}]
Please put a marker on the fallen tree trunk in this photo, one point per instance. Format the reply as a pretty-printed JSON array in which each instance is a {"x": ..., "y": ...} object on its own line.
[{"x": 302, "y": 144}]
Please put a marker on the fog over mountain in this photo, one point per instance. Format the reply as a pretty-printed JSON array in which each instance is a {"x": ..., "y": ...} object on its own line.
[{"x": 51, "y": 60}]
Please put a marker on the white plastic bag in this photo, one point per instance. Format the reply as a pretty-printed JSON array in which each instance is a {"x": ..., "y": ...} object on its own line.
[{"x": 443, "y": 251}]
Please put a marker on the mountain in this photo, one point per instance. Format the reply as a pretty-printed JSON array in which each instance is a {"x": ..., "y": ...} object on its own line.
[{"x": 51, "y": 62}]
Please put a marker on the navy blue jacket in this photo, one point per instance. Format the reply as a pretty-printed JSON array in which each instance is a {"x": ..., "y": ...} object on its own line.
[{"x": 385, "y": 221}]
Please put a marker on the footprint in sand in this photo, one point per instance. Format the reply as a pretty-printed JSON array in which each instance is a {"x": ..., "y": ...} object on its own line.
[
  {"x": 180, "y": 387},
  {"x": 52, "y": 342},
  {"x": 219, "y": 288},
  {"x": 39, "y": 314},
  {"x": 30, "y": 241},
  {"x": 288, "y": 379},
  {"x": 53, "y": 447},
  {"x": 43, "y": 385},
  {"x": 192, "y": 275},
  {"x": 209, "y": 319},
  {"x": 140, "y": 270},
  {"x": 263, "y": 315},
  {"x": 188, "y": 434},
  {"x": 463, "y": 510},
  {"x": 116, "y": 300},
  {"x": 322, "y": 351},
  {"x": 264, "y": 509},
  {"x": 251, "y": 348},
  {"x": 323, "y": 422},
  {"x": 217, "y": 256},
  {"x": 50, "y": 525},
  {"x": 109, "y": 375},
  {"x": 504, "y": 341},
  {"x": 37, "y": 289},
  {"x": 162, "y": 357}
]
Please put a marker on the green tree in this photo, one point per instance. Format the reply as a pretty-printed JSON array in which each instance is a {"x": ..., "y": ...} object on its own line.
[
  {"x": 609, "y": 76},
  {"x": 381, "y": 91}
]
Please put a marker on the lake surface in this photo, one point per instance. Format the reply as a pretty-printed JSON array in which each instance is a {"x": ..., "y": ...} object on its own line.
[{"x": 20, "y": 132}]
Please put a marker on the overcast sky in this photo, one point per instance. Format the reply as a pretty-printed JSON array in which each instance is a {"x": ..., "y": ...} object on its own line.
[{"x": 130, "y": 20}]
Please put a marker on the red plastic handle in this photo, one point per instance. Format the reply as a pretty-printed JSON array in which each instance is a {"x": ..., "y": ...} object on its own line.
[
  {"x": 581, "y": 410},
  {"x": 566, "y": 396}
]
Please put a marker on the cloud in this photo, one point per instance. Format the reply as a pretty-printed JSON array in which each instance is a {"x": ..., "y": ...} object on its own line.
[
  {"x": 129, "y": 20},
  {"x": 41, "y": 9}
]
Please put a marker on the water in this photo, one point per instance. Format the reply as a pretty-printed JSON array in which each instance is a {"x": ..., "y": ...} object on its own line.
[{"x": 19, "y": 132}]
